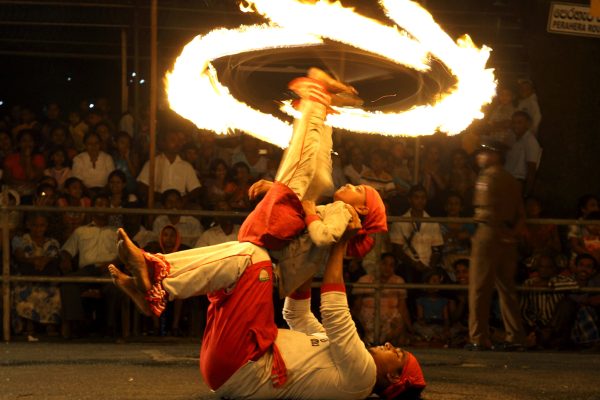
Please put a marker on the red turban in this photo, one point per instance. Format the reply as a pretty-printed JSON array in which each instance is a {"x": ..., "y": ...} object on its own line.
[
  {"x": 375, "y": 221},
  {"x": 411, "y": 377}
]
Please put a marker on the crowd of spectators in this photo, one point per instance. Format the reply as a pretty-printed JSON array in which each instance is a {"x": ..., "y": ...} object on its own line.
[{"x": 89, "y": 158}]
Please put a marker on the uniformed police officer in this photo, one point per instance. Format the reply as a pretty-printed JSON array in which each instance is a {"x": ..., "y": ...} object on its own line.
[{"x": 500, "y": 215}]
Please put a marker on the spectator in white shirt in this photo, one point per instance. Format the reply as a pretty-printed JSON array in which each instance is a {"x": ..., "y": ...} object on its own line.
[
  {"x": 93, "y": 165},
  {"x": 528, "y": 102},
  {"x": 223, "y": 230},
  {"x": 171, "y": 172},
  {"x": 523, "y": 157}
]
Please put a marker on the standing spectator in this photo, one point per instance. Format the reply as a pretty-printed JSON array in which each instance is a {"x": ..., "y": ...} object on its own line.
[
  {"x": 394, "y": 316},
  {"x": 433, "y": 311},
  {"x": 37, "y": 254},
  {"x": 223, "y": 230},
  {"x": 538, "y": 238},
  {"x": 96, "y": 246},
  {"x": 171, "y": 172},
  {"x": 400, "y": 170},
  {"x": 188, "y": 227},
  {"x": 432, "y": 176},
  {"x": 586, "y": 205},
  {"x": 457, "y": 236},
  {"x": 73, "y": 197},
  {"x": 499, "y": 118},
  {"x": 356, "y": 168},
  {"x": 237, "y": 188},
  {"x": 59, "y": 166},
  {"x": 24, "y": 168},
  {"x": 524, "y": 156},
  {"x": 214, "y": 188},
  {"x": 417, "y": 244},
  {"x": 461, "y": 178},
  {"x": 250, "y": 154},
  {"x": 126, "y": 159},
  {"x": 377, "y": 177},
  {"x": 499, "y": 211},
  {"x": 93, "y": 165},
  {"x": 528, "y": 102}
]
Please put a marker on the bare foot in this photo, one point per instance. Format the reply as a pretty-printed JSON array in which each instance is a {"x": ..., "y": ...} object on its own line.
[
  {"x": 128, "y": 286},
  {"x": 134, "y": 261}
]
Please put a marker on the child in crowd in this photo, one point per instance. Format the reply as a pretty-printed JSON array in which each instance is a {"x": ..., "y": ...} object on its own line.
[
  {"x": 433, "y": 312},
  {"x": 59, "y": 166},
  {"x": 73, "y": 197}
]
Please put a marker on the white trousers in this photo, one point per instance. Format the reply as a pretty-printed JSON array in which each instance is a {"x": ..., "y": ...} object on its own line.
[
  {"x": 306, "y": 164},
  {"x": 207, "y": 269}
]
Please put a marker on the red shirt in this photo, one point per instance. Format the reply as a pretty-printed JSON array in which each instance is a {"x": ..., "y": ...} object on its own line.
[{"x": 12, "y": 163}]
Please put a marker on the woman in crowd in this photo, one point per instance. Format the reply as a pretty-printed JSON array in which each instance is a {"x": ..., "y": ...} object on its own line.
[
  {"x": 25, "y": 167},
  {"x": 73, "y": 196},
  {"x": 37, "y": 254},
  {"x": 118, "y": 196},
  {"x": 126, "y": 159},
  {"x": 59, "y": 166},
  {"x": 237, "y": 189},
  {"x": 216, "y": 183}
]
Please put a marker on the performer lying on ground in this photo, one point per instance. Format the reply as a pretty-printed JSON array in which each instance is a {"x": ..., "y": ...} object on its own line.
[{"x": 245, "y": 355}]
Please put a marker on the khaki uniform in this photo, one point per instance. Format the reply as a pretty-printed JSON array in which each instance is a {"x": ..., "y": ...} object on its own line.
[{"x": 499, "y": 209}]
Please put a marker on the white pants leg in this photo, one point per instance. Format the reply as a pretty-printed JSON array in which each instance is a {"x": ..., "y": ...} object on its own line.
[
  {"x": 306, "y": 164},
  {"x": 207, "y": 269}
]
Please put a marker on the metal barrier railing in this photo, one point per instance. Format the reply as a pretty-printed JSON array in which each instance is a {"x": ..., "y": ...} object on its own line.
[{"x": 6, "y": 277}]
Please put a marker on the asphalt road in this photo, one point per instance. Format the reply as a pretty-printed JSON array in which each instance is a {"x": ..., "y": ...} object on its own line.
[{"x": 169, "y": 371}]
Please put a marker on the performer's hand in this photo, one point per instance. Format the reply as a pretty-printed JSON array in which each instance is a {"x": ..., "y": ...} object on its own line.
[
  {"x": 259, "y": 188},
  {"x": 354, "y": 225},
  {"x": 309, "y": 206}
]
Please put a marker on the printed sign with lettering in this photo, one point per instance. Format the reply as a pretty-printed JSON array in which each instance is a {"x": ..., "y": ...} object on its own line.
[{"x": 573, "y": 19}]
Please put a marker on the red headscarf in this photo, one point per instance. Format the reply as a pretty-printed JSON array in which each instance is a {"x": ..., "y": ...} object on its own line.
[
  {"x": 375, "y": 221},
  {"x": 411, "y": 377}
]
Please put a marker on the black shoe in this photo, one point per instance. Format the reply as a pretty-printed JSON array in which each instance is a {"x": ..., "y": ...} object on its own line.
[
  {"x": 508, "y": 346},
  {"x": 476, "y": 347}
]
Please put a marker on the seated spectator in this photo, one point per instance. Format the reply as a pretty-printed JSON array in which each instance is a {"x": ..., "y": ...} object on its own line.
[
  {"x": 59, "y": 166},
  {"x": 169, "y": 242},
  {"x": 416, "y": 244},
  {"x": 591, "y": 241},
  {"x": 461, "y": 178},
  {"x": 37, "y": 254},
  {"x": 377, "y": 177},
  {"x": 6, "y": 146},
  {"x": 524, "y": 156},
  {"x": 59, "y": 137},
  {"x": 118, "y": 196},
  {"x": 586, "y": 204},
  {"x": 250, "y": 154},
  {"x": 236, "y": 190},
  {"x": 93, "y": 165},
  {"x": 222, "y": 230},
  {"x": 576, "y": 319},
  {"x": 104, "y": 131},
  {"x": 95, "y": 245},
  {"x": 433, "y": 311},
  {"x": 538, "y": 308},
  {"x": 45, "y": 195},
  {"x": 401, "y": 172},
  {"x": 215, "y": 183},
  {"x": 459, "y": 305},
  {"x": 78, "y": 129},
  {"x": 528, "y": 102},
  {"x": 126, "y": 159},
  {"x": 395, "y": 323},
  {"x": 171, "y": 172},
  {"x": 457, "y": 236},
  {"x": 24, "y": 168},
  {"x": 188, "y": 227},
  {"x": 73, "y": 197},
  {"x": 499, "y": 117},
  {"x": 356, "y": 167},
  {"x": 537, "y": 238}
]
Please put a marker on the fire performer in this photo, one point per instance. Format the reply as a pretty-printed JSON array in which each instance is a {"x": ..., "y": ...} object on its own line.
[{"x": 243, "y": 352}]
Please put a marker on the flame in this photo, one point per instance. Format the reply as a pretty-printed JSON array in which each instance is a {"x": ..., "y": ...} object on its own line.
[{"x": 194, "y": 90}]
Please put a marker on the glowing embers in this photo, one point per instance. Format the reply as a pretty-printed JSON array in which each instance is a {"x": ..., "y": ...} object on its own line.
[{"x": 195, "y": 92}]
